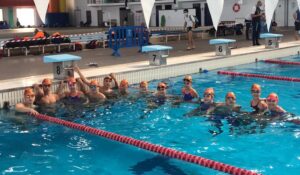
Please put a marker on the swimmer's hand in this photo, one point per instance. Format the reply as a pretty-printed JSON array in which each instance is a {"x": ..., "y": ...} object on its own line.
[
  {"x": 33, "y": 112},
  {"x": 76, "y": 69},
  {"x": 112, "y": 75}
]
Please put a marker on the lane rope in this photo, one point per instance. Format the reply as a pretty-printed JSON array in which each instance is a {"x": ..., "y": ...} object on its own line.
[
  {"x": 282, "y": 62},
  {"x": 269, "y": 77},
  {"x": 149, "y": 146}
]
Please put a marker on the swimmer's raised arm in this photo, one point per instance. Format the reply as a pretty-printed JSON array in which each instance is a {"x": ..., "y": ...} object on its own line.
[
  {"x": 82, "y": 77},
  {"x": 60, "y": 90},
  {"x": 113, "y": 77}
]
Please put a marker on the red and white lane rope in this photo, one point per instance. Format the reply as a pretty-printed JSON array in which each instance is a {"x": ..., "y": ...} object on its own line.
[
  {"x": 150, "y": 147},
  {"x": 269, "y": 77},
  {"x": 282, "y": 62}
]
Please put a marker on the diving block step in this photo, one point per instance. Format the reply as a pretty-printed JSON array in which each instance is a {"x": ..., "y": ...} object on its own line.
[
  {"x": 271, "y": 40},
  {"x": 222, "y": 46},
  {"x": 157, "y": 54},
  {"x": 62, "y": 65}
]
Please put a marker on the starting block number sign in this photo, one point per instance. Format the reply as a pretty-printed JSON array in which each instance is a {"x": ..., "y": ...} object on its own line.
[
  {"x": 158, "y": 58},
  {"x": 272, "y": 43},
  {"x": 222, "y": 50},
  {"x": 62, "y": 70}
]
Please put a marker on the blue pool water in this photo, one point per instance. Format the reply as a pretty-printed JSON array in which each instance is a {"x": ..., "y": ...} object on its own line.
[{"x": 28, "y": 146}]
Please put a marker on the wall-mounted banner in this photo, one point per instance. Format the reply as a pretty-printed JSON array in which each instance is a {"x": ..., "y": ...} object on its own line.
[
  {"x": 215, "y": 9},
  {"x": 41, "y": 7},
  {"x": 147, "y": 6},
  {"x": 270, "y": 6}
]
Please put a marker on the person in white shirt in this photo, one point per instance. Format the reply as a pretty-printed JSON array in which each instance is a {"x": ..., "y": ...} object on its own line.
[{"x": 189, "y": 25}]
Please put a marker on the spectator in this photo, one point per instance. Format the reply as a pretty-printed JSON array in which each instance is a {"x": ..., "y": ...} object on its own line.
[
  {"x": 296, "y": 16},
  {"x": 248, "y": 22},
  {"x": 189, "y": 25},
  {"x": 256, "y": 15}
]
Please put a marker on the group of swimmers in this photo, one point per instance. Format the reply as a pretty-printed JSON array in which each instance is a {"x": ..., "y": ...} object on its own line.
[{"x": 77, "y": 93}]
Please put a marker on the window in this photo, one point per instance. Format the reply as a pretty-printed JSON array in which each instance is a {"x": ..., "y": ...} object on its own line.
[
  {"x": 26, "y": 16},
  {"x": 1, "y": 15}
]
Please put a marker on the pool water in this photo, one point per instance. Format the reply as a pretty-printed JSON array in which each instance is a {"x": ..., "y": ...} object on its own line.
[{"x": 269, "y": 148}]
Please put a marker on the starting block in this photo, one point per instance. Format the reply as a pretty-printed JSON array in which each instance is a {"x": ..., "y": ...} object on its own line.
[
  {"x": 158, "y": 54},
  {"x": 271, "y": 40},
  {"x": 222, "y": 46},
  {"x": 62, "y": 65}
]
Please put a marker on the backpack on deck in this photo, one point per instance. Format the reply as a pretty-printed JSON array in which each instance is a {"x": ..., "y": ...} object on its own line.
[{"x": 92, "y": 44}]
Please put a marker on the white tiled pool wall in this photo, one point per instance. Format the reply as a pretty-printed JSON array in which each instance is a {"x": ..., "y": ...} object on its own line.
[{"x": 161, "y": 72}]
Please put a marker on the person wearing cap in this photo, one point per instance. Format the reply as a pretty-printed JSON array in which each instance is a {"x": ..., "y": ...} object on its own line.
[
  {"x": 143, "y": 88},
  {"x": 228, "y": 107},
  {"x": 274, "y": 109},
  {"x": 73, "y": 96},
  {"x": 43, "y": 93},
  {"x": 27, "y": 106},
  {"x": 258, "y": 104},
  {"x": 123, "y": 87},
  {"x": 188, "y": 92},
  {"x": 189, "y": 25},
  {"x": 93, "y": 94},
  {"x": 206, "y": 103}
]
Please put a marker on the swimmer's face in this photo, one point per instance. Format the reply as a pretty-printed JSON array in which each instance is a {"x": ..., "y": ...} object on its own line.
[
  {"x": 72, "y": 86},
  {"x": 230, "y": 101},
  {"x": 29, "y": 99},
  {"x": 208, "y": 97},
  {"x": 185, "y": 14},
  {"x": 46, "y": 87},
  {"x": 271, "y": 103},
  {"x": 93, "y": 88},
  {"x": 187, "y": 83},
  {"x": 143, "y": 87},
  {"x": 107, "y": 82},
  {"x": 255, "y": 93},
  {"x": 161, "y": 89}
]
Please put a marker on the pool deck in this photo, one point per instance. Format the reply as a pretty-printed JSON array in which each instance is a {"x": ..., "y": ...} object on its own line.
[{"x": 22, "y": 71}]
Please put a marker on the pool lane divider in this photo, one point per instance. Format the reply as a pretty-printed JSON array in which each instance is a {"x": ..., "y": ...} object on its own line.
[
  {"x": 149, "y": 146},
  {"x": 269, "y": 77},
  {"x": 282, "y": 62}
]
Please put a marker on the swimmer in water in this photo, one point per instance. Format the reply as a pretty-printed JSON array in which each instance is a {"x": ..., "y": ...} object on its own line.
[
  {"x": 143, "y": 88},
  {"x": 188, "y": 92},
  {"x": 44, "y": 96},
  {"x": 206, "y": 104},
  {"x": 73, "y": 96},
  {"x": 27, "y": 106},
  {"x": 228, "y": 107},
  {"x": 274, "y": 110},
  {"x": 123, "y": 87},
  {"x": 258, "y": 104},
  {"x": 107, "y": 88},
  {"x": 93, "y": 94}
]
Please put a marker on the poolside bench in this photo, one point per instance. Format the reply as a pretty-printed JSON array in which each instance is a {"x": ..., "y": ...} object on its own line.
[
  {"x": 157, "y": 54},
  {"x": 271, "y": 40},
  {"x": 222, "y": 46},
  {"x": 62, "y": 65}
]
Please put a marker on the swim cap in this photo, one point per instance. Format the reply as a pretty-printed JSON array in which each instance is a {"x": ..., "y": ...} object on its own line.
[
  {"x": 161, "y": 84},
  {"x": 273, "y": 96},
  {"x": 230, "y": 94},
  {"x": 71, "y": 80},
  {"x": 188, "y": 78},
  {"x": 256, "y": 87},
  {"x": 124, "y": 82},
  {"x": 28, "y": 91},
  {"x": 94, "y": 83},
  {"x": 144, "y": 83},
  {"x": 47, "y": 81},
  {"x": 209, "y": 91}
]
